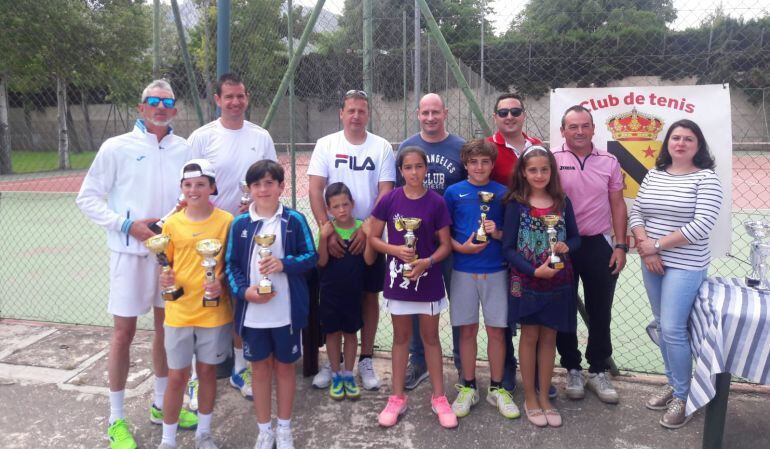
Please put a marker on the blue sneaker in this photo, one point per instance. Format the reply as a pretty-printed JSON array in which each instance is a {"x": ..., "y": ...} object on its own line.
[
  {"x": 351, "y": 388},
  {"x": 552, "y": 393},
  {"x": 241, "y": 381},
  {"x": 337, "y": 388}
]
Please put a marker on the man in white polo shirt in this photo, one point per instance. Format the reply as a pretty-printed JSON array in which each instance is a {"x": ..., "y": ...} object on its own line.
[
  {"x": 232, "y": 144},
  {"x": 366, "y": 164},
  {"x": 592, "y": 180}
]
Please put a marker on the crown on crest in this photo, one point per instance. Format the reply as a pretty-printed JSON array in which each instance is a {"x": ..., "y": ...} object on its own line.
[{"x": 634, "y": 126}]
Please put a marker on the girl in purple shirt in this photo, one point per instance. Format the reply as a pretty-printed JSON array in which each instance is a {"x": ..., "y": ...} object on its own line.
[{"x": 421, "y": 291}]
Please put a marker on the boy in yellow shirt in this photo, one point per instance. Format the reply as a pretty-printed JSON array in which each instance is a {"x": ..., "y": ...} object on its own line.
[{"x": 195, "y": 325}]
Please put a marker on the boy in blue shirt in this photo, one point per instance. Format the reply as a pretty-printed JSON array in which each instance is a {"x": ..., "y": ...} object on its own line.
[
  {"x": 479, "y": 276},
  {"x": 270, "y": 323}
]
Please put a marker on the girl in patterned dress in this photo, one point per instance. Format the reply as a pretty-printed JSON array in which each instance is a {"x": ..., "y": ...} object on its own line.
[{"x": 543, "y": 298}]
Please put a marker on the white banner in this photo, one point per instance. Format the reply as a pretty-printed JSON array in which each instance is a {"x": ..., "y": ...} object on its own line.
[{"x": 618, "y": 112}]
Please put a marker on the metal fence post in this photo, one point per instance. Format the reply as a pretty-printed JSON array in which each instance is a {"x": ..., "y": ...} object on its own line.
[
  {"x": 436, "y": 32},
  {"x": 187, "y": 62},
  {"x": 293, "y": 62},
  {"x": 368, "y": 56}
]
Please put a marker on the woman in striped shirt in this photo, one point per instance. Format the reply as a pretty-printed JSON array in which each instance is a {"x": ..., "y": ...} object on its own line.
[{"x": 672, "y": 218}]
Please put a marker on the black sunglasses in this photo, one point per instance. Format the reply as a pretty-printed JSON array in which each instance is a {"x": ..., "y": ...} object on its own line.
[
  {"x": 503, "y": 113},
  {"x": 168, "y": 103}
]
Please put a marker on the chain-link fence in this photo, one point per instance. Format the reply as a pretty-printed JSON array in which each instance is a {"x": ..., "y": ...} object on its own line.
[{"x": 72, "y": 81}]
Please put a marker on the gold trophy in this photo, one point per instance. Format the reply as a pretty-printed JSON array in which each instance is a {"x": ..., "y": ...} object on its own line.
[
  {"x": 245, "y": 194},
  {"x": 264, "y": 241},
  {"x": 486, "y": 198},
  {"x": 208, "y": 249},
  {"x": 550, "y": 222},
  {"x": 410, "y": 240},
  {"x": 157, "y": 244}
]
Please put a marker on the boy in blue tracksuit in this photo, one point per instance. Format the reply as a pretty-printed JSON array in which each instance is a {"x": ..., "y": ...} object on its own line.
[{"x": 270, "y": 323}]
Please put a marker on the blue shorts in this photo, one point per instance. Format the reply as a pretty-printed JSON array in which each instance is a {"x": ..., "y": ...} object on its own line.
[
  {"x": 280, "y": 342},
  {"x": 340, "y": 314}
]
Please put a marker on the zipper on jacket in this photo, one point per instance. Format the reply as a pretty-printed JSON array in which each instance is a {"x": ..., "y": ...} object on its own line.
[
  {"x": 283, "y": 242},
  {"x": 128, "y": 234}
]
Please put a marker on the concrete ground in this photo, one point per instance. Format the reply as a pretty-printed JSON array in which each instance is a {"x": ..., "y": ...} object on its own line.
[{"x": 53, "y": 394}]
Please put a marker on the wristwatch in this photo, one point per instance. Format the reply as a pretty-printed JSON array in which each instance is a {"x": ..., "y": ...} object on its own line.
[
  {"x": 657, "y": 245},
  {"x": 622, "y": 246}
]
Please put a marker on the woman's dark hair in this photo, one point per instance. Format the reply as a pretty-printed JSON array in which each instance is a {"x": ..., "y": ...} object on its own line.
[
  {"x": 402, "y": 153},
  {"x": 702, "y": 158},
  {"x": 337, "y": 188},
  {"x": 519, "y": 189}
]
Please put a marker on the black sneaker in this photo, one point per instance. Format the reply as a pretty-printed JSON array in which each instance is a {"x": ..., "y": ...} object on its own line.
[{"x": 415, "y": 374}]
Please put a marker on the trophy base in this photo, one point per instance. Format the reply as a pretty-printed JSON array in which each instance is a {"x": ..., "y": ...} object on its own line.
[
  {"x": 155, "y": 228},
  {"x": 556, "y": 265},
  {"x": 265, "y": 289},
  {"x": 172, "y": 295},
  {"x": 406, "y": 273},
  {"x": 481, "y": 238},
  {"x": 211, "y": 302}
]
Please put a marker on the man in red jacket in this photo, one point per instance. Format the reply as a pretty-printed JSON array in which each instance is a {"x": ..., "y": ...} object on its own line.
[{"x": 511, "y": 141}]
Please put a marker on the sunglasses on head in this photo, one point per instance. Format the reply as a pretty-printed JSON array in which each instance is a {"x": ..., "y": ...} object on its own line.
[
  {"x": 515, "y": 112},
  {"x": 168, "y": 103},
  {"x": 356, "y": 93}
]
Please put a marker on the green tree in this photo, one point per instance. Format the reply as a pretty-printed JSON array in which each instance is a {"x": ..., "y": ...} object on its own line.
[
  {"x": 459, "y": 20},
  {"x": 556, "y": 17},
  {"x": 258, "y": 51},
  {"x": 71, "y": 42}
]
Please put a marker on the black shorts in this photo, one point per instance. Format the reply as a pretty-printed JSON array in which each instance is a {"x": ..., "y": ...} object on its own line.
[
  {"x": 374, "y": 275},
  {"x": 340, "y": 313}
]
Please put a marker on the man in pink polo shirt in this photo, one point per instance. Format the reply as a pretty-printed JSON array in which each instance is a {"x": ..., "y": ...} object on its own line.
[
  {"x": 593, "y": 182},
  {"x": 511, "y": 141}
]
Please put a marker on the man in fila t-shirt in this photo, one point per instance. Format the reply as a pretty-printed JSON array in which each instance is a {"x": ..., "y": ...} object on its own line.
[{"x": 366, "y": 164}]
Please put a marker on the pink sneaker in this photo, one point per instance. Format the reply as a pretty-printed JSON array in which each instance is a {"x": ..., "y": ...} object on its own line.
[
  {"x": 395, "y": 408},
  {"x": 446, "y": 416}
]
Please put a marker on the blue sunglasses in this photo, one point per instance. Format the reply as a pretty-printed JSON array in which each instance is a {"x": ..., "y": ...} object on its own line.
[{"x": 168, "y": 103}]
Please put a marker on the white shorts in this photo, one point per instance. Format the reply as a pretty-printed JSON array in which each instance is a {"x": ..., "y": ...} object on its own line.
[
  {"x": 399, "y": 307},
  {"x": 134, "y": 287}
]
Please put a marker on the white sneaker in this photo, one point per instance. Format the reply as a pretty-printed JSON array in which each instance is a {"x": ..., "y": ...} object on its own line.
[
  {"x": 600, "y": 384},
  {"x": 205, "y": 441},
  {"x": 324, "y": 376},
  {"x": 192, "y": 392},
  {"x": 575, "y": 384},
  {"x": 265, "y": 440},
  {"x": 466, "y": 398},
  {"x": 369, "y": 378},
  {"x": 501, "y": 398},
  {"x": 283, "y": 438}
]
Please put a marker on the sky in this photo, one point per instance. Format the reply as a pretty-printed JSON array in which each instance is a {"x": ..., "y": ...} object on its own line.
[{"x": 506, "y": 10}]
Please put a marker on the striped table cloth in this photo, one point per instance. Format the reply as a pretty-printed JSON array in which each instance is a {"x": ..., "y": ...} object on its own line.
[{"x": 729, "y": 332}]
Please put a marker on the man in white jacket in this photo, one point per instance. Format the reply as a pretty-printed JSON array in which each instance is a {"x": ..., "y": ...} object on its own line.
[{"x": 133, "y": 181}]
